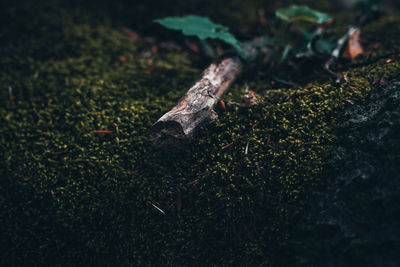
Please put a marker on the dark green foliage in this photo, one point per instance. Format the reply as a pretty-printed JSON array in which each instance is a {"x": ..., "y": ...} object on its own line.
[
  {"x": 202, "y": 28},
  {"x": 73, "y": 197}
]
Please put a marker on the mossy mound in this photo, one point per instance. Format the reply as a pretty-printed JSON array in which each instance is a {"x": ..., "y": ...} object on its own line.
[
  {"x": 74, "y": 196},
  {"x": 355, "y": 220}
]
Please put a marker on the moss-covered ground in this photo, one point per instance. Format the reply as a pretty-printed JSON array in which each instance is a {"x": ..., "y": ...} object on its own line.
[{"x": 72, "y": 196}]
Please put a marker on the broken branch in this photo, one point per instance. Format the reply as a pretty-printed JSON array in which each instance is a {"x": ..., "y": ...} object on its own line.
[
  {"x": 176, "y": 127},
  {"x": 197, "y": 105}
]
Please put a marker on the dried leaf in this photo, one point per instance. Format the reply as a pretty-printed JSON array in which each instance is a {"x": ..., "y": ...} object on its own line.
[
  {"x": 193, "y": 182},
  {"x": 354, "y": 46},
  {"x": 228, "y": 145},
  {"x": 354, "y": 88},
  {"x": 221, "y": 104},
  {"x": 102, "y": 131}
]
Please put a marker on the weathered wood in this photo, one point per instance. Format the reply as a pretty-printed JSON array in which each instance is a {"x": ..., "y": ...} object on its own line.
[{"x": 175, "y": 127}]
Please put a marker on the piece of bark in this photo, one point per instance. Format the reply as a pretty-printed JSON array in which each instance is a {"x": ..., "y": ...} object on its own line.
[{"x": 177, "y": 126}]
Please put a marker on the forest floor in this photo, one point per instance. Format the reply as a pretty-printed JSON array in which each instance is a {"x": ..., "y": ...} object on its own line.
[{"x": 80, "y": 182}]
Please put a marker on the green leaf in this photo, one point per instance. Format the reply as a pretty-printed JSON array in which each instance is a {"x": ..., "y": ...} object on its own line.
[
  {"x": 304, "y": 13},
  {"x": 201, "y": 27}
]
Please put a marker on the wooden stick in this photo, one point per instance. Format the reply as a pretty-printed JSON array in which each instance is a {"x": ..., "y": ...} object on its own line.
[{"x": 175, "y": 127}]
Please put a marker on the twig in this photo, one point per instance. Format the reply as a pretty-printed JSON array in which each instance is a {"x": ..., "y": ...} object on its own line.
[
  {"x": 154, "y": 205},
  {"x": 175, "y": 127}
]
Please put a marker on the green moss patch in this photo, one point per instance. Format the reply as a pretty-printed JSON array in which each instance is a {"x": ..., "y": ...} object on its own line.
[{"x": 72, "y": 195}]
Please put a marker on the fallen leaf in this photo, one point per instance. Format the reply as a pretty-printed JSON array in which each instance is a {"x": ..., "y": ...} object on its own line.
[
  {"x": 354, "y": 45},
  {"x": 193, "y": 182},
  {"x": 102, "y": 131},
  {"x": 221, "y": 104},
  {"x": 353, "y": 88},
  {"x": 228, "y": 145}
]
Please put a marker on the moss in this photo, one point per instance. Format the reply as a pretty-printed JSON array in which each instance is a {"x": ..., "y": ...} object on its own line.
[
  {"x": 71, "y": 196},
  {"x": 379, "y": 44}
]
